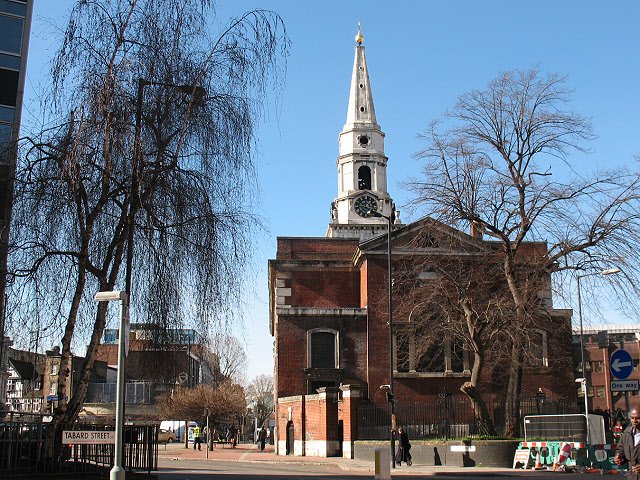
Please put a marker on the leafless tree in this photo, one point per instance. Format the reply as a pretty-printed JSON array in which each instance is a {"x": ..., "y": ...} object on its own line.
[
  {"x": 194, "y": 164},
  {"x": 222, "y": 402},
  {"x": 260, "y": 397},
  {"x": 498, "y": 161},
  {"x": 231, "y": 355}
]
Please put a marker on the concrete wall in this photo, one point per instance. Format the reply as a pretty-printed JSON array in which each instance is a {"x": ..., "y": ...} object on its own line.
[{"x": 488, "y": 453}]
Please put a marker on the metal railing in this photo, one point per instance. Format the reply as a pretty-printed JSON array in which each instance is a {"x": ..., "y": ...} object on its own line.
[
  {"x": 26, "y": 448},
  {"x": 449, "y": 416},
  {"x": 140, "y": 393}
]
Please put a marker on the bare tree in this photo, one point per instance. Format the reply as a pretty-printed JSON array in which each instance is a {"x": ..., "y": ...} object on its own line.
[
  {"x": 221, "y": 402},
  {"x": 231, "y": 355},
  {"x": 491, "y": 162},
  {"x": 260, "y": 397},
  {"x": 193, "y": 161}
]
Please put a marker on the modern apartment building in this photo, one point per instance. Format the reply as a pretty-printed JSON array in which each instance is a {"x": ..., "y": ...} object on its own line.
[{"x": 15, "y": 25}]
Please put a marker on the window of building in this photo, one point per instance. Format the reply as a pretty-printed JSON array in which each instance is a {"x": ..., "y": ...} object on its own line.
[
  {"x": 421, "y": 347},
  {"x": 598, "y": 367},
  {"x": 600, "y": 392},
  {"x": 364, "y": 178},
  {"x": 53, "y": 389},
  {"x": 323, "y": 349},
  {"x": 54, "y": 369},
  {"x": 8, "y": 86},
  {"x": 11, "y": 38},
  {"x": 590, "y": 392},
  {"x": 537, "y": 348}
]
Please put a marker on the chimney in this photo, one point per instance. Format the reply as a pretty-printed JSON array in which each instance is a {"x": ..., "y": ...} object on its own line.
[{"x": 475, "y": 230}]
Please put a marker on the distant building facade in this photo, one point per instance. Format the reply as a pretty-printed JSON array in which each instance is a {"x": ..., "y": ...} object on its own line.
[
  {"x": 159, "y": 360},
  {"x": 600, "y": 342},
  {"x": 32, "y": 386}
]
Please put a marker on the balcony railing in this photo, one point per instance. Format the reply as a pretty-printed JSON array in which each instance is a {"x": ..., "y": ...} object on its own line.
[{"x": 140, "y": 393}]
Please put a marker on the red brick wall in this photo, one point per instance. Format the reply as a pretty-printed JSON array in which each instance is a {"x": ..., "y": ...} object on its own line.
[
  {"x": 325, "y": 288},
  {"x": 315, "y": 248},
  {"x": 292, "y": 350}
]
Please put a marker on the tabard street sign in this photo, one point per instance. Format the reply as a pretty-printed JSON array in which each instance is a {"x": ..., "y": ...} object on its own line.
[
  {"x": 621, "y": 364},
  {"x": 625, "y": 385}
]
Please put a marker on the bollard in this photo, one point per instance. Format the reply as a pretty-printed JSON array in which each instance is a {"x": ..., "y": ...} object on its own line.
[{"x": 383, "y": 464}]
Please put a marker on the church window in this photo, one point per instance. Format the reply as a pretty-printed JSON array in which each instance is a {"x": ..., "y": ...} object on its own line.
[
  {"x": 419, "y": 350},
  {"x": 537, "y": 351},
  {"x": 364, "y": 178},
  {"x": 323, "y": 348}
]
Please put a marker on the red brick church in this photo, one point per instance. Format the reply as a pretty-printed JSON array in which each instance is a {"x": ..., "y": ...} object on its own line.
[{"x": 328, "y": 304}]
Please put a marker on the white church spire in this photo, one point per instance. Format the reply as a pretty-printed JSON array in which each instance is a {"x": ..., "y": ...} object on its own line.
[
  {"x": 362, "y": 164},
  {"x": 360, "y": 107}
]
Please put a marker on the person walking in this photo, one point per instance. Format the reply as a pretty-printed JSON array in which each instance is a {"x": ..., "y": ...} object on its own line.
[
  {"x": 629, "y": 446},
  {"x": 403, "y": 454},
  {"x": 232, "y": 435},
  {"x": 197, "y": 439},
  {"x": 262, "y": 438}
]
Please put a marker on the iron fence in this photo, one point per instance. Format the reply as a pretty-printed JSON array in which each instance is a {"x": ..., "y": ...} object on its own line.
[
  {"x": 27, "y": 447},
  {"x": 449, "y": 416}
]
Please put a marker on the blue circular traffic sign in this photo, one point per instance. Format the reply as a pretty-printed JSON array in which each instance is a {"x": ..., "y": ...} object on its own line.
[{"x": 621, "y": 364}]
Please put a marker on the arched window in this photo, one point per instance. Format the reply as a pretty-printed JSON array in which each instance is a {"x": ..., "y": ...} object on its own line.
[
  {"x": 422, "y": 347},
  {"x": 323, "y": 349},
  {"x": 364, "y": 178}
]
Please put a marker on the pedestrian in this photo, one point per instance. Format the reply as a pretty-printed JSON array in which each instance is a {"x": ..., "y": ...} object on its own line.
[
  {"x": 232, "y": 435},
  {"x": 197, "y": 439},
  {"x": 262, "y": 438},
  {"x": 629, "y": 446},
  {"x": 403, "y": 454}
]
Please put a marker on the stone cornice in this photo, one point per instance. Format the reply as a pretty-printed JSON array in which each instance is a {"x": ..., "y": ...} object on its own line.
[{"x": 321, "y": 312}]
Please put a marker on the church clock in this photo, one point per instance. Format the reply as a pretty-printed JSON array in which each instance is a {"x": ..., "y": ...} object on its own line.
[{"x": 365, "y": 205}]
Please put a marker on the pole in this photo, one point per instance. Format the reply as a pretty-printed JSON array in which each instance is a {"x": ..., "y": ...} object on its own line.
[
  {"x": 133, "y": 194},
  {"x": 117, "y": 472},
  {"x": 390, "y": 313},
  {"x": 584, "y": 369},
  {"x": 208, "y": 435},
  {"x": 627, "y": 406}
]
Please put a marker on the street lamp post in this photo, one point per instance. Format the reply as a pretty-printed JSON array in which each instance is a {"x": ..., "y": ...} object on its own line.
[
  {"x": 196, "y": 92},
  {"x": 390, "y": 393},
  {"x": 118, "y": 472},
  {"x": 583, "y": 380}
]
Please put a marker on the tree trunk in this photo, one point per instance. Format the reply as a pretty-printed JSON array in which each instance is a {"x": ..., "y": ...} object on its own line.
[
  {"x": 471, "y": 390},
  {"x": 512, "y": 401}
]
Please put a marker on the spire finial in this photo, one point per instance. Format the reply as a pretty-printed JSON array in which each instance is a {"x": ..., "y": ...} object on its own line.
[{"x": 359, "y": 36}]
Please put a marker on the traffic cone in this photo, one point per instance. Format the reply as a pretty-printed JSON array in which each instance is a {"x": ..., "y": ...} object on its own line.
[{"x": 538, "y": 465}]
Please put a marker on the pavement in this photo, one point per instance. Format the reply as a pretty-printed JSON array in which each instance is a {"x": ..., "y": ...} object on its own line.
[{"x": 248, "y": 453}]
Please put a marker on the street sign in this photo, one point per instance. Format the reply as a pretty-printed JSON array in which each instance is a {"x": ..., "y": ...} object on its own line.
[
  {"x": 88, "y": 437},
  {"x": 625, "y": 385},
  {"x": 621, "y": 364}
]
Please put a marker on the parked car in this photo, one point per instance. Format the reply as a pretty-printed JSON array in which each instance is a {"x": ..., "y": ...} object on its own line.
[{"x": 166, "y": 436}]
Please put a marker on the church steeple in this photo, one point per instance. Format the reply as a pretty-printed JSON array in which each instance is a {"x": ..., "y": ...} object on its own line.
[
  {"x": 360, "y": 108},
  {"x": 362, "y": 164}
]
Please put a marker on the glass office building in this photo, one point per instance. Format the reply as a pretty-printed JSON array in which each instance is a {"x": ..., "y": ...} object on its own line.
[{"x": 15, "y": 27}]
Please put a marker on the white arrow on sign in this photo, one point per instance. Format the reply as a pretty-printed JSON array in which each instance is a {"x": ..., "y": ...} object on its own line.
[{"x": 617, "y": 365}]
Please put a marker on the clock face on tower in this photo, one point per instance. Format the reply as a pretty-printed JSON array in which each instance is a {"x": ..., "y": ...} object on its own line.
[{"x": 365, "y": 205}]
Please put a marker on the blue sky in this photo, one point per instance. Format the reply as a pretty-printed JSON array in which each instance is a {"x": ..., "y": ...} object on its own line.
[{"x": 421, "y": 55}]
